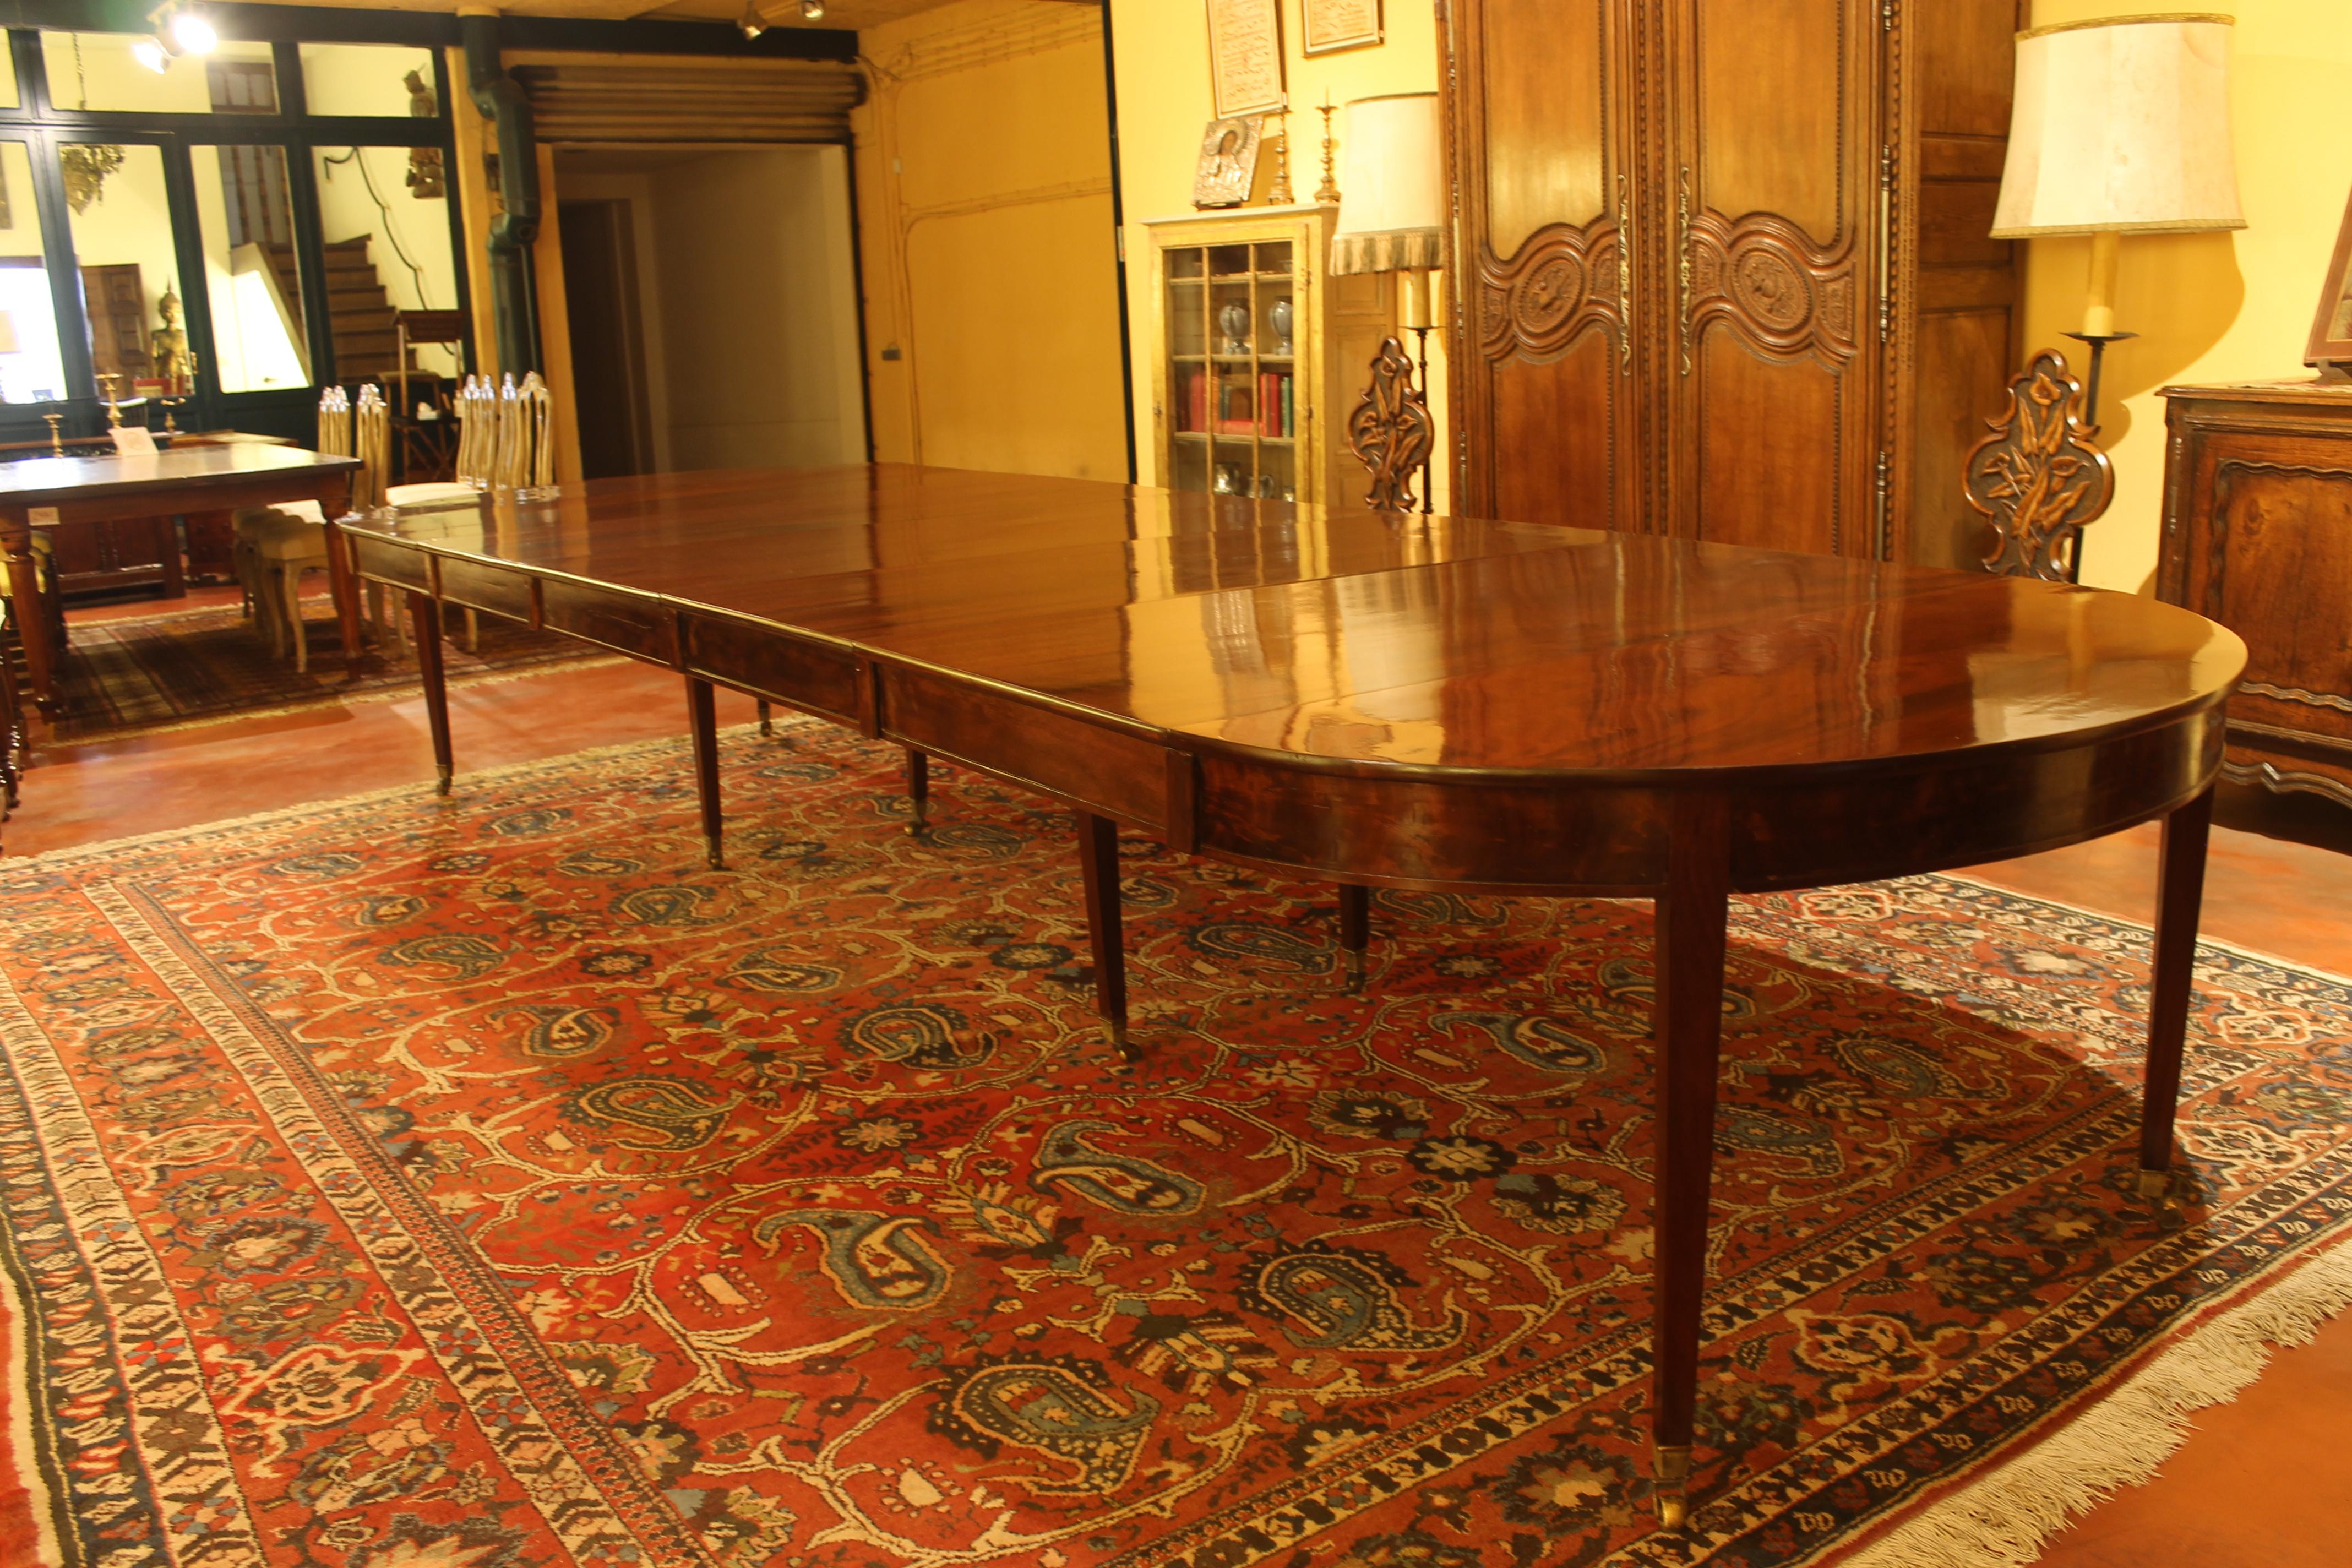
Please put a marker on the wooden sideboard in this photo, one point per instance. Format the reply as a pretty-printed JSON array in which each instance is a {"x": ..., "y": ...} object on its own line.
[{"x": 2258, "y": 536}]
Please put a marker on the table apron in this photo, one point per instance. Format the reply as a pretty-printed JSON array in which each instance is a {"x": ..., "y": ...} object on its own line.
[{"x": 1502, "y": 832}]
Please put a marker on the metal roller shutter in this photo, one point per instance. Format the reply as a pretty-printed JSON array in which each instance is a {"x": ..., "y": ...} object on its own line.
[{"x": 665, "y": 100}]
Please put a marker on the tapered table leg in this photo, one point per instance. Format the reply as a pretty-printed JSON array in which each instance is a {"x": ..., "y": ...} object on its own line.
[
  {"x": 343, "y": 582},
  {"x": 1355, "y": 931},
  {"x": 702, "y": 723},
  {"x": 918, "y": 791},
  {"x": 2180, "y": 892},
  {"x": 1692, "y": 911},
  {"x": 425, "y": 618},
  {"x": 33, "y": 628},
  {"x": 767, "y": 718},
  {"x": 1098, "y": 867}
]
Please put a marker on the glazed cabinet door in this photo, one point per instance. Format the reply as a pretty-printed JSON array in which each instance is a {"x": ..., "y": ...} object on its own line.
[
  {"x": 1546, "y": 374},
  {"x": 1778, "y": 216}
]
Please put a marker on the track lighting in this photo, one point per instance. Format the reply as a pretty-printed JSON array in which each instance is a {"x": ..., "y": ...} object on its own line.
[
  {"x": 750, "y": 21},
  {"x": 811, "y": 9},
  {"x": 156, "y": 54}
]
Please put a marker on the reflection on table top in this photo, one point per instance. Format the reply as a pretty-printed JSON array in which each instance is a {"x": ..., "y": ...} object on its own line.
[
  {"x": 41, "y": 482},
  {"x": 1375, "y": 638}
]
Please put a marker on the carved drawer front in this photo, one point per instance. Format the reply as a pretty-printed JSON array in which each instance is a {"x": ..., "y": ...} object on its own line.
[
  {"x": 813, "y": 676},
  {"x": 501, "y": 590},
  {"x": 633, "y": 623},
  {"x": 1114, "y": 774},
  {"x": 2278, "y": 572},
  {"x": 389, "y": 563}
]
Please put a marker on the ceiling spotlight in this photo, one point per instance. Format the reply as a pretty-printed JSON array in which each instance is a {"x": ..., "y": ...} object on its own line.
[
  {"x": 750, "y": 21},
  {"x": 192, "y": 33},
  {"x": 154, "y": 54},
  {"x": 811, "y": 9}
]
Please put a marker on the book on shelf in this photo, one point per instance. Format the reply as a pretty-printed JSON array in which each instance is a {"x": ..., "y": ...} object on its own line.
[
  {"x": 1237, "y": 409},
  {"x": 1193, "y": 400}
]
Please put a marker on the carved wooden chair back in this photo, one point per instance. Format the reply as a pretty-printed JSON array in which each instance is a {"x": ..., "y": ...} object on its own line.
[
  {"x": 1391, "y": 432},
  {"x": 2040, "y": 478}
]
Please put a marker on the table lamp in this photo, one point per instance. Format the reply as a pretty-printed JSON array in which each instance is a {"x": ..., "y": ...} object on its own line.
[
  {"x": 1392, "y": 207},
  {"x": 2119, "y": 126}
]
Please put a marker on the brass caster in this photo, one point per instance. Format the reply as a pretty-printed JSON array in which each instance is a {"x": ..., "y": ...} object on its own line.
[
  {"x": 2153, "y": 1184},
  {"x": 447, "y": 774},
  {"x": 1670, "y": 1488},
  {"x": 1355, "y": 971},
  {"x": 1117, "y": 1030},
  {"x": 712, "y": 853},
  {"x": 920, "y": 826}
]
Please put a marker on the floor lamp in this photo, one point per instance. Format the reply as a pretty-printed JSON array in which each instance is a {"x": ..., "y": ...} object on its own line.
[
  {"x": 2119, "y": 126},
  {"x": 1393, "y": 219}
]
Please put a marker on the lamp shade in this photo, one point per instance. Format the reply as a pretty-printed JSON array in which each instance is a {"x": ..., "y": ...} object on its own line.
[
  {"x": 2121, "y": 126},
  {"x": 1392, "y": 190}
]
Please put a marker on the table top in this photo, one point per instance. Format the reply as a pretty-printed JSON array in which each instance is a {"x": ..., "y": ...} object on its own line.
[
  {"x": 1370, "y": 639},
  {"x": 45, "y": 481}
]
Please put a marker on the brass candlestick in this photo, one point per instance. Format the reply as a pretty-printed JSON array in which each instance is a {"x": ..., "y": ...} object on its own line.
[
  {"x": 113, "y": 409},
  {"x": 1328, "y": 192},
  {"x": 1281, "y": 195},
  {"x": 57, "y": 442}
]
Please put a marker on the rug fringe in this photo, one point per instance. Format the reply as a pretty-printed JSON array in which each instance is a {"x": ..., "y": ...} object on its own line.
[{"x": 2006, "y": 1519}]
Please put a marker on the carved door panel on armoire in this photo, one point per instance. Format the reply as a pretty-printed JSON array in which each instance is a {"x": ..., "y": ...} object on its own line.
[
  {"x": 1547, "y": 376},
  {"x": 1778, "y": 238}
]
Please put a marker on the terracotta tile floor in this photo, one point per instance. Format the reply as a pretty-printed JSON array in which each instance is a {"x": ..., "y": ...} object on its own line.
[{"x": 2265, "y": 1482}]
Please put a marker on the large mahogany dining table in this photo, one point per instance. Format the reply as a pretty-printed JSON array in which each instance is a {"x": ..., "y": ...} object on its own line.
[
  {"x": 1387, "y": 700},
  {"x": 75, "y": 491}
]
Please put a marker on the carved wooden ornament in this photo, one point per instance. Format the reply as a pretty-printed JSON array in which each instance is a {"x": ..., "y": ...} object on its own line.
[
  {"x": 1390, "y": 432},
  {"x": 2040, "y": 476}
]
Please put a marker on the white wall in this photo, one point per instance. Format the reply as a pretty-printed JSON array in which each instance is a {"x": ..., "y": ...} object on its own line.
[{"x": 347, "y": 210}]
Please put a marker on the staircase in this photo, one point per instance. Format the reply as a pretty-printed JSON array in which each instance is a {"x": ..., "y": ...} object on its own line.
[{"x": 367, "y": 344}]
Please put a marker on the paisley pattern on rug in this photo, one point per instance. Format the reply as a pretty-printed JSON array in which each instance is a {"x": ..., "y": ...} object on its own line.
[{"x": 405, "y": 1183}]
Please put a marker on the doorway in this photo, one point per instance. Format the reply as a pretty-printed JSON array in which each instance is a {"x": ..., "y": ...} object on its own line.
[{"x": 711, "y": 297}]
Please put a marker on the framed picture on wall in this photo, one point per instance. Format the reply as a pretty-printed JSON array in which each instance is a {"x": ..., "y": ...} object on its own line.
[
  {"x": 2331, "y": 332},
  {"x": 1245, "y": 57},
  {"x": 1331, "y": 26}
]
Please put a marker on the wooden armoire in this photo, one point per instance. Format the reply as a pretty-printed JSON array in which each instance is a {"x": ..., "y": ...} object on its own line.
[{"x": 1722, "y": 266}]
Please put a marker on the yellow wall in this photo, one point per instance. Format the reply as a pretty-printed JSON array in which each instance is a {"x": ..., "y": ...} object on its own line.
[
  {"x": 983, "y": 184},
  {"x": 1162, "y": 47},
  {"x": 2210, "y": 307}
]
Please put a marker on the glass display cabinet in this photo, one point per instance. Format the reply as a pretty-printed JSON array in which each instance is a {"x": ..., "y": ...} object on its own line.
[{"x": 1252, "y": 339}]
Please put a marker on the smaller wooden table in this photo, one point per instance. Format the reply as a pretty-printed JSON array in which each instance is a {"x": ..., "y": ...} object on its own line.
[{"x": 104, "y": 488}]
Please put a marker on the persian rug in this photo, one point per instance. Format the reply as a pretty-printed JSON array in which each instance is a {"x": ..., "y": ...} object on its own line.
[
  {"x": 196, "y": 666},
  {"x": 483, "y": 1182}
]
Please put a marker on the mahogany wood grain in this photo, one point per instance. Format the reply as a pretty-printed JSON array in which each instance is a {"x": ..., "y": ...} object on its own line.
[
  {"x": 702, "y": 726},
  {"x": 1355, "y": 929},
  {"x": 2180, "y": 889},
  {"x": 1387, "y": 700},
  {"x": 1099, "y": 873},
  {"x": 918, "y": 792},
  {"x": 425, "y": 612},
  {"x": 1692, "y": 914}
]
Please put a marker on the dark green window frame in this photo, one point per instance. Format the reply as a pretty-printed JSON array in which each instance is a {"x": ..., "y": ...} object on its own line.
[{"x": 44, "y": 128}]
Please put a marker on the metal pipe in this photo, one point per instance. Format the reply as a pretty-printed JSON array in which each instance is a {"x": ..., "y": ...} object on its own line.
[{"x": 507, "y": 106}]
